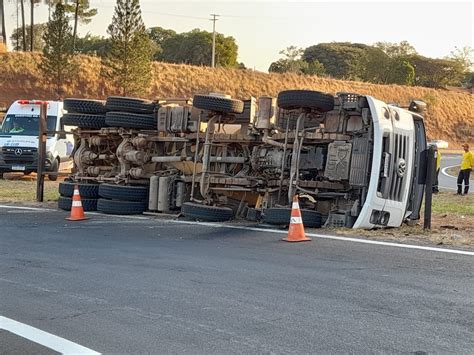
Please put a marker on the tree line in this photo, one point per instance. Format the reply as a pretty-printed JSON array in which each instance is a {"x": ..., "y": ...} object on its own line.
[
  {"x": 25, "y": 36},
  {"x": 127, "y": 62},
  {"x": 382, "y": 63}
]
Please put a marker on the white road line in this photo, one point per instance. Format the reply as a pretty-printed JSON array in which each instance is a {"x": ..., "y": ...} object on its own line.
[
  {"x": 40, "y": 209},
  {"x": 443, "y": 171},
  {"x": 46, "y": 339},
  {"x": 276, "y": 231},
  {"x": 326, "y": 236}
]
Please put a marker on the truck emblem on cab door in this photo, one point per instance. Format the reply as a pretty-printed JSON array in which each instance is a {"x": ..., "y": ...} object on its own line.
[
  {"x": 18, "y": 151},
  {"x": 401, "y": 167}
]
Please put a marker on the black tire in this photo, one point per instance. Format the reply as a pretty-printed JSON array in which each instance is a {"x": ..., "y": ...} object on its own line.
[
  {"x": 54, "y": 169},
  {"x": 124, "y": 193},
  {"x": 130, "y": 120},
  {"x": 88, "y": 204},
  {"x": 207, "y": 213},
  {"x": 315, "y": 100},
  {"x": 66, "y": 189},
  {"x": 129, "y": 104},
  {"x": 281, "y": 216},
  {"x": 84, "y": 120},
  {"x": 121, "y": 207},
  {"x": 218, "y": 104},
  {"x": 95, "y": 107}
]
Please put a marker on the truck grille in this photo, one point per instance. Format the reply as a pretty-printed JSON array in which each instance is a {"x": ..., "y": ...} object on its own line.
[
  {"x": 399, "y": 163},
  {"x": 20, "y": 155}
]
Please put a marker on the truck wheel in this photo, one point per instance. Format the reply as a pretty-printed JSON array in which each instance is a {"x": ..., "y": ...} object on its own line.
[
  {"x": 88, "y": 204},
  {"x": 218, "y": 104},
  {"x": 207, "y": 213},
  {"x": 66, "y": 189},
  {"x": 84, "y": 120},
  {"x": 130, "y": 120},
  {"x": 315, "y": 100},
  {"x": 85, "y": 106},
  {"x": 121, "y": 207},
  {"x": 124, "y": 193},
  {"x": 129, "y": 104},
  {"x": 54, "y": 169},
  {"x": 281, "y": 216}
]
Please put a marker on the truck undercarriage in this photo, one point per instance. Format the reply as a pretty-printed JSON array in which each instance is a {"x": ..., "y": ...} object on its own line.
[{"x": 216, "y": 158}]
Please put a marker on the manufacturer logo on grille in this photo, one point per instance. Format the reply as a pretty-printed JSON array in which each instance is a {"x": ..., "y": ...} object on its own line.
[
  {"x": 18, "y": 151},
  {"x": 401, "y": 168}
]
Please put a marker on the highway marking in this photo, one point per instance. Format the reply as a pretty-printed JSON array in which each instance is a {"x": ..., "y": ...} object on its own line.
[
  {"x": 443, "y": 171},
  {"x": 276, "y": 231},
  {"x": 326, "y": 236},
  {"x": 48, "y": 340},
  {"x": 39, "y": 209}
]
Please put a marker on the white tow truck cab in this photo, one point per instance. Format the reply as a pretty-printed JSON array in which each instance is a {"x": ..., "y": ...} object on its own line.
[{"x": 19, "y": 139}]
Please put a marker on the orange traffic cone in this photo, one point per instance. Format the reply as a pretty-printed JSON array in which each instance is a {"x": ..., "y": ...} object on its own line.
[
  {"x": 77, "y": 212},
  {"x": 296, "y": 230}
]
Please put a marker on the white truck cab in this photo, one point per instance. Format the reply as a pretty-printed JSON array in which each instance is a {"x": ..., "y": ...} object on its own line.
[
  {"x": 394, "y": 192},
  {"x": 19, "y": 139}
]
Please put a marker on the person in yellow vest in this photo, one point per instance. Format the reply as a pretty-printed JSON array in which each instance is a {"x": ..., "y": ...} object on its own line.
[
  {"x": 438, "y": 167},
  {"x": 466, "y": 166}
]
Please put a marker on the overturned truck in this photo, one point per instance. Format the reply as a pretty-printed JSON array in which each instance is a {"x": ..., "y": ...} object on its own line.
[{"x": 354, "y": 161}]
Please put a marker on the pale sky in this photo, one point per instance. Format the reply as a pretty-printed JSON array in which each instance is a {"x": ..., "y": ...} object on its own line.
[{"x": 263, "y": 28}]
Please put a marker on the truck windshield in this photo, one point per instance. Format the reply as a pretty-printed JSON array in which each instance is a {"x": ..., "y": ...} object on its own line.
[{"x": 25, "y": 125}]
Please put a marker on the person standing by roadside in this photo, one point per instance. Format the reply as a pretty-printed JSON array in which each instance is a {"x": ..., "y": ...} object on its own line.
[
  {"x": 435, "y": 188},
  {"x": 466, "y": 166}
]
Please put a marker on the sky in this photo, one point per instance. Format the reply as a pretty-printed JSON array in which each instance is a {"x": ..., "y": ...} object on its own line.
[{"x": 263, "y": 28}]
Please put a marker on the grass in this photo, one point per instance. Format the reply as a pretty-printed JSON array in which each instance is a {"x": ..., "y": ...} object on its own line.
[
  {"x": 448, "y": 202},
  {"x": 449, "y": 114},
  {"x": 25, "y": 191}
]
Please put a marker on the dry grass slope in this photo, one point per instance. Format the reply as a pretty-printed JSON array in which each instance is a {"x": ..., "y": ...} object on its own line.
[{"x": 450, "y": 116}]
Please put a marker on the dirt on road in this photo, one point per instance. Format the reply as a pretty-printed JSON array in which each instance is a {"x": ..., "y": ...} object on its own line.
[{"x": 452, "y": 220}]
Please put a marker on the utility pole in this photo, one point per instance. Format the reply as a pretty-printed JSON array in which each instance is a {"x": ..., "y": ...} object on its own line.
[{"x": 214, "y": 19}]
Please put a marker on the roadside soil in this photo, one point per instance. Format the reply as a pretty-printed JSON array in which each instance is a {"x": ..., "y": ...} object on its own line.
[{"x": 452, "y": 219}]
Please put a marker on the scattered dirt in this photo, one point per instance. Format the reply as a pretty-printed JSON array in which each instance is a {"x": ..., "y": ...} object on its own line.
[
  {"x": 452, "y": 220},
  {"x": 450, "y": 230}
]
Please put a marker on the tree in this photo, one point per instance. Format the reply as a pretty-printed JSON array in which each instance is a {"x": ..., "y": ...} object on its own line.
[
  {"x": 464, "y": 56},
  {"x": 195, "y": 47},
  {"x": 23, "y": 25},
  {"x": 396, "y": 49},
  {"x": 314, "y": 68},
  {"x": 56, "y": 63},
  {"x": 340, "y": 60},
  {"x": 3, "y": 28},
  {"x": 436, "y": 72},
  {"x": 401, "y": 72},
  {"x": 32, "y": 23},
  {"x": 93, "y": 45},
  {"x": 468, "y": 80},
  {"x": 17, "y": 37},
  {"x": 129, "y": 62},
  {"x": 82, "y": 13},
  {"x": 292, "y": 62},
  {"x": 159, "y": 35}
]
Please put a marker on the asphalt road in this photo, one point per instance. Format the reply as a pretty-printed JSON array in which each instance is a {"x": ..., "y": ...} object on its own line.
[
  {"x": 119, "y": 285},
  {"x": 446, "y": 181}
]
